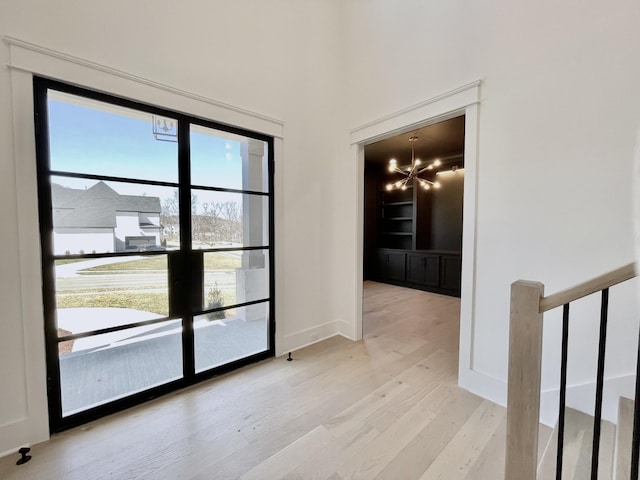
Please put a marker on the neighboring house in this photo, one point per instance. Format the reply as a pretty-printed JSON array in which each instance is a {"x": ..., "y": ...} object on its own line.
[{"x": 100, "y": 219}]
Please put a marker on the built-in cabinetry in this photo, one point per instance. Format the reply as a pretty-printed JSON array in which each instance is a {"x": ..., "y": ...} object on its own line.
[
  {"x": 400, "y": 211},
  {"x": 397, "y": 219},
  {"x": 431, "y": 270},
  {"x": 413, "y": 237}
]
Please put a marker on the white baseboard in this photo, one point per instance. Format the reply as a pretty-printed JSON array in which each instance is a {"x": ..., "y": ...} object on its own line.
[
  {"x": 579, "y": 397},
  {"x": 308, "y": 336},
  {"x": 347, "y": 330},
  {"x": 483, "y": 385},
  {"x": 14, "y": 450},
  {"x": 582, "y": 398}
]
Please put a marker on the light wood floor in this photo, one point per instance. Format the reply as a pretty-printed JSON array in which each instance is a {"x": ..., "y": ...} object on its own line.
[{"x": 384, "y": 408}]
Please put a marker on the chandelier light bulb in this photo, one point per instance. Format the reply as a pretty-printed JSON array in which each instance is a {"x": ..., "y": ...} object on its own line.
[{"x": 412, "y": 172}]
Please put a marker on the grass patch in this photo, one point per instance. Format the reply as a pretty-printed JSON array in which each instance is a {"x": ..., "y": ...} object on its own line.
[
  {"x": 149, "y": 263},
  {"x": 67, "y": 261},
  {"x": 80, "y": 290},
  {"x": 154, "y": 302},
  {"x": 221, "y": 261},
  {"x": 212, "y": 261},
  {"x": 149, "y": 302}
]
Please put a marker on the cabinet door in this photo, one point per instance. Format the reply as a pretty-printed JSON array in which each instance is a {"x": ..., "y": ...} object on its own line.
[
  {"x": 415, "y": 268},
  {"x": 391, "y": 265},
  {"x": 431, "y": 270},
  {"x": 450, "y": 272},
  {"x": 423, "y": 269}
]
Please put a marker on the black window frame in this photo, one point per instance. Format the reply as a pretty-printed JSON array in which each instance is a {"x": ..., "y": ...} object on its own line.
[{"x": 182, "y": 278}]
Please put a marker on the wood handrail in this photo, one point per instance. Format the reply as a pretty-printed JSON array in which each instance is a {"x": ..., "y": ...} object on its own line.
[
  {"x": 528, "y": 305},
  {"x": 523, "y": 388},
  {"x": 587, "y": 288}
]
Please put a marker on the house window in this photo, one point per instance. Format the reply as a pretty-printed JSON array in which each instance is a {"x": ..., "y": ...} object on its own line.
[{"x": 157, "y": 249}]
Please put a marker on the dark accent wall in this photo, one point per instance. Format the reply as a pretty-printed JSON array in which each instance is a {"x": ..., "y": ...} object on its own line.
[
  {"x": 372, "y": 180},
  {"x": 406, "y": 232},
  {"x": 438, "y": 217},
  {"x": 446, "y": 213}
]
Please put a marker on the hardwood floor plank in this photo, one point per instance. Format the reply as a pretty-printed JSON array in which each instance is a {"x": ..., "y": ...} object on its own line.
[
  {"x": 421, "y": 452},
  {"x": 490, "y": 463},
  {"x": 385, "y": 407},
  {"x": 467, "y": 445},
  {"x": 375, "y": 456},
  {"x": 281, "y": 463},
  {"x": 323, "y": 464},
  {"x": 383, "y": 419},
  {"x": 380, "y": 402}
]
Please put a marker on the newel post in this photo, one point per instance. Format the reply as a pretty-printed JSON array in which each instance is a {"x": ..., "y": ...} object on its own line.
[{"x": 523, "y": 393}]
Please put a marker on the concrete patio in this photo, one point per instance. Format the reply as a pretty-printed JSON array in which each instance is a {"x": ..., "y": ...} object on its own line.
[{"x": 110, "y": 366}]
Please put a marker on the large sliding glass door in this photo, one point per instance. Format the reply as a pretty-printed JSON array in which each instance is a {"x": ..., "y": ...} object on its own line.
[{"x": 157, "y": 249}]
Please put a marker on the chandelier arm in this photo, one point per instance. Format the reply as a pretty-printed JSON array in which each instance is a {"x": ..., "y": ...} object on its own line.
[
  {"x": 413, "y": 172},
  {"x": 403, "y": 181},
  {"x": 424, "y": 169},
  {"x": 425, "y": 180}
]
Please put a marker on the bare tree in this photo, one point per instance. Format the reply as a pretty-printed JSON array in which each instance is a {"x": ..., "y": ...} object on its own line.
[
  {"x": 232, "y": 213},
  {"x": 169, "y": 217}
]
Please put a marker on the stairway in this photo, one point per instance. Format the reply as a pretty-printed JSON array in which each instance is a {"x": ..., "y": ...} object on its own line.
[
  {"x": 624, "y": 433},
  {"x": 615, "y": 446}
]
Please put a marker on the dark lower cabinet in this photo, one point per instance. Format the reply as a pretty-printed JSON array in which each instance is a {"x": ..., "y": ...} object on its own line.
[
  {"x": 450, "y": 267},
  {"x": 434, "y": 271},
  {"x": 423, "y": 268},
  {"x": 390, "y": 264}
]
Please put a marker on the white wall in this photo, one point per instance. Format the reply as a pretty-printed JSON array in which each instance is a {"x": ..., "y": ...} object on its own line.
[
  {"x": 558, "y": 114},
  {"x": 274, "y": 58},
  {"x": 88, "y": 240},
  {"x": 152, "y": 217},
  {"x": 127, "y": 225},
  {"x": 557, "y": 119}
]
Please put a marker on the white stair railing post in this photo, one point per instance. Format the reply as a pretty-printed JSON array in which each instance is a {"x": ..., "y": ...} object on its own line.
[{"x": 523, "y": 393}]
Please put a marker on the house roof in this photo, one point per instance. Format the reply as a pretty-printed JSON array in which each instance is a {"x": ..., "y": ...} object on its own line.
[{"x": 96, "y": 206}]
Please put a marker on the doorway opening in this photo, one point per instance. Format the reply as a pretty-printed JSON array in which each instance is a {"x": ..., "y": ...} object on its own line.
[
  {"x": 413, "y": 233},
  {"x": 157, "y": 249},
  {"x": 413, "y": 230}
]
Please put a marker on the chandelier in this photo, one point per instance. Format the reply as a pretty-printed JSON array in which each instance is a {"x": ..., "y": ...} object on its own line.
[
  {"x": 413, "y": 172},
  {"x": 165, "y": 129}
]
